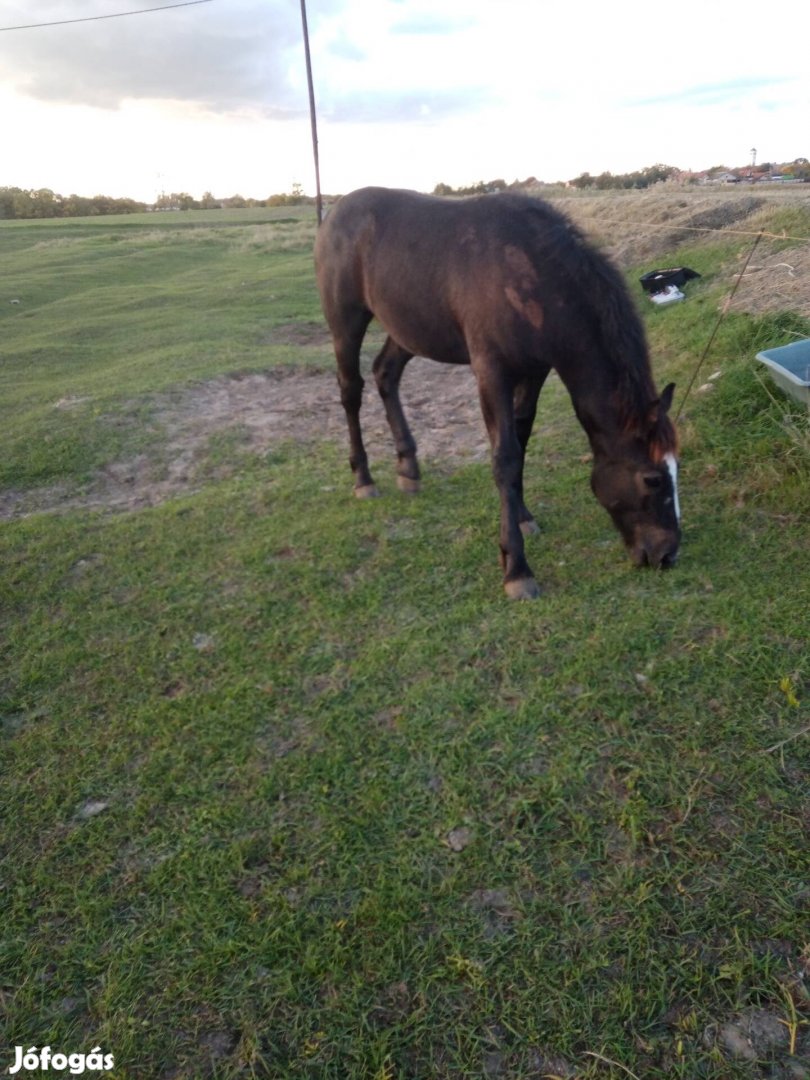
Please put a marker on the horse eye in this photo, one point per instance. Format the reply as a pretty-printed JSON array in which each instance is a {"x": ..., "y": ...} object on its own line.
[{"x": 653, "y": 480}]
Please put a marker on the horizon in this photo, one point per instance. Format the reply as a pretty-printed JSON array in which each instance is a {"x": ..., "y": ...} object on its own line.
[{"x": 307, "y": 196}]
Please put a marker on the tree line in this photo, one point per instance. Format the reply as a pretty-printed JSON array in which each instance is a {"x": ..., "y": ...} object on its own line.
[
  {"x": 183, "y": 201},
  {"x": 479, "y": 188},
  {"x": 641, "y": 178},
  {"x": 798, "y": 169},
  {"x": 43, "y": 203}
]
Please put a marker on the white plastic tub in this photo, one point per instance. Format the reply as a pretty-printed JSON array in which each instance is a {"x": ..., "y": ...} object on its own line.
[{"x": 790, "y": 367}]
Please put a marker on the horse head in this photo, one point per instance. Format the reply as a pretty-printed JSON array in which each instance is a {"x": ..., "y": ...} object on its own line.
[{"x": 636, "y": 480}]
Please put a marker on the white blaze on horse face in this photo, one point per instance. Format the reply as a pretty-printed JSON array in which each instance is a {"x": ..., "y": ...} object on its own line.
[{"x": 671, "y": 463}]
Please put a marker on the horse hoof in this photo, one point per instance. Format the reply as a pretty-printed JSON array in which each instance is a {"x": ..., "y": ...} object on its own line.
[
  {"x": 410, "y": 487},
  {"x": 367, "y": 491},
  {"x": 523, "y": 589},
  {"x": 530, "y": 527}
]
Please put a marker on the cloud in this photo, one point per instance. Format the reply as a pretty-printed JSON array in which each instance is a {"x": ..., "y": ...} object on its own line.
[
  {"x": 403, "y": 106},
  {"x": 221, "y": 56},
  {"x": 240, "y": 55},
  {"x": 387, "y": 61},
  {"x": 432, "y": 23},
  {"x": 712, "y": 93},
  {"x": 343, "y": 48},
  {"x": 408, "y": 91}
]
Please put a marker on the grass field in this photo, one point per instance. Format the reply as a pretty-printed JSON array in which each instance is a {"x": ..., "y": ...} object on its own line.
[{"x": 289, "y": 788}]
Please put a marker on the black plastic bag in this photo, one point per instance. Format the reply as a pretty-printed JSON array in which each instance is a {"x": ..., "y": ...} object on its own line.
[{"x": 656, "y": 281}]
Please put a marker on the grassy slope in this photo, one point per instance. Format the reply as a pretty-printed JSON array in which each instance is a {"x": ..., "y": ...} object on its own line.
[{"x": 290, "y": 790}]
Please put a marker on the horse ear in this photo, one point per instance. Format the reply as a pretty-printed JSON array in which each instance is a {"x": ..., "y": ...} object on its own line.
[
  {"x": 661, "y": 406},
  {"x": 666, "y": 397}
]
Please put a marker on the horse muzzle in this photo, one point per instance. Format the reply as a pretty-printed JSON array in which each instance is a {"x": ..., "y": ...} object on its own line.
[
  {"x": 665, "y": 562},
  {"x": 657, "y": 548}
]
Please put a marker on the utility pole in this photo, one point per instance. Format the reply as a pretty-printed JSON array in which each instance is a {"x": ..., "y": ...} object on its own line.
[
  {"x": 753, "y": 161},
  {"x": 312, "y": 118}
]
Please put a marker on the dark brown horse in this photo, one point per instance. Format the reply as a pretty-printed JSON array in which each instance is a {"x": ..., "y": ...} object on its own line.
[{"x": 506, "y": 284}]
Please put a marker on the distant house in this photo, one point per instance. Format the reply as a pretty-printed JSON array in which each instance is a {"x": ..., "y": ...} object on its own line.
[{"x": 722, "y": 178}]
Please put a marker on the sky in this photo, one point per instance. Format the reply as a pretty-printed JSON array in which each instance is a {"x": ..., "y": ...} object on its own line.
[{"x": 213, "y": 96}]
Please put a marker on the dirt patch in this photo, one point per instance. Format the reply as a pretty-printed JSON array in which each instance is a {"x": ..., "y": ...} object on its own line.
[
  {"x": 266, "y": 409},
  {"x": 299, "y": 333},
  {"x": 297, "y": 405},
  {"x": 760, "y": 1037}
]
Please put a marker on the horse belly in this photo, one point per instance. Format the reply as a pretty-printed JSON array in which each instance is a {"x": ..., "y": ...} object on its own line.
[{"x": 425, "y": 326}]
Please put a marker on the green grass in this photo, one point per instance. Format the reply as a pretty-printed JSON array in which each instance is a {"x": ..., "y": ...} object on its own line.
[
  {"x": 109, "y": 316},
  {"x": 747, "y": 427},
  {"x": 291, "y": 790}
]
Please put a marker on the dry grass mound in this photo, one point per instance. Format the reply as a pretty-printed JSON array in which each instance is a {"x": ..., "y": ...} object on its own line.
[{"x": 642, "y": 227}]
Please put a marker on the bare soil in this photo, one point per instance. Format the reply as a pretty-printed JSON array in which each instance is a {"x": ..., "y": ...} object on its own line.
[{"x": 264, "y": 410}]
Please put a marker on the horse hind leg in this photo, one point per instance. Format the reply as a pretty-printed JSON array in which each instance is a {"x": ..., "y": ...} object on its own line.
[
  {"x": 348, "y": 338},
  {"x": 388, "y": 368}
]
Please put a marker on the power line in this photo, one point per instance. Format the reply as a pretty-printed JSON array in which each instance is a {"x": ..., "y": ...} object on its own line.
[{"x": 96, "y": 18}]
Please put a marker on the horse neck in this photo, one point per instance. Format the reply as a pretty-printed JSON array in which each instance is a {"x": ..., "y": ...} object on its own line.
[
  {"x": 610, "y": 407},
  {"x": 607, "y": 366}
]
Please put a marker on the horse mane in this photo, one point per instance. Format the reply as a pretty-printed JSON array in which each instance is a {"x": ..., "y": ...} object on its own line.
[{"x": 616, "y": 323}]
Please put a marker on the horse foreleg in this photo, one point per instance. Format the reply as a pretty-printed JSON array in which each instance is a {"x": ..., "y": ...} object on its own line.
[
  {"x": 347, "y": 352},
  {"x": 507, "y": 464},
  {"x": 525, "y": 404},
  {"x": 388, "y": 368}
]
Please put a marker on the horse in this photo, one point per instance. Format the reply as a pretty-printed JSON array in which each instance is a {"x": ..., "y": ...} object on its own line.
[{"x": 507, "y": 284}]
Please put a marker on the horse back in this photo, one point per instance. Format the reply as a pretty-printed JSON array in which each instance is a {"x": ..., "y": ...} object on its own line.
[{"x": 447, "y": 277}]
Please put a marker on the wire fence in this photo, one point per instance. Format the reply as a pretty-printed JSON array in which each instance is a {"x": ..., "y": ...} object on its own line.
[{"x": 673, "y": 227}]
